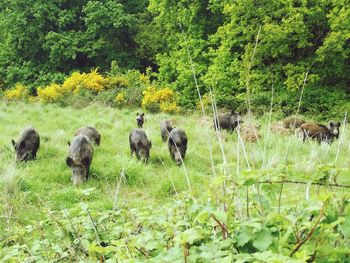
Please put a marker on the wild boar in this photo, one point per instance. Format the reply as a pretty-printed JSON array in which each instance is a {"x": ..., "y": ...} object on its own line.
[
  {"x": 320, "y": 132},
  {"x": 177, "y": 144},
  {"x": 165, "y": 129},
  {"x": 140, "y": 119},
  {"x": 27, "y": 145},
  {"x": 140, "y": 145},
  {"x": 278, "y": 127},
  {"x": 293, "y": 123},
  {"x": 249, "y": 132},
  {"x": 79, "y": 158},
  {"x": 91, "y": 133},
  {"x": 227, "y": 121}
]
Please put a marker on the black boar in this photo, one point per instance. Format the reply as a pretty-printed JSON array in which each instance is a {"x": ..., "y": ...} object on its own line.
[
  {"x": 227, "y": 121},
  {"x": 165, "y": 128},
  {"x": 91, "y": 133},
  {"x": 320, "y": 132},
  {"x": 140, "y": 119},
  {"x": 293, "y": 123},
  {"x": 177, "y": 145},
  {"x": 27, "y": 145},
  {"x": 79, "y": 158},
  {"x": 140, "y": 145}
]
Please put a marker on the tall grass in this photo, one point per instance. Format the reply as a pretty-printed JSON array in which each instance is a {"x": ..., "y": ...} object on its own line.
[{"x": 49, "y": 177}]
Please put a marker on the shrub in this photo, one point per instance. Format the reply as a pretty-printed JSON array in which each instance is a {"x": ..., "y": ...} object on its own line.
[
  {"x": 134, "y": 92},
  {"x": 19, "y": 92},
  {"x": 51, "y": 93},
  {"x": 120, "y": 99},
  {"x": 206, "y": 100},
  {"x": 117, "y": 82},
  {"x": 144, "y": 78},
  {"x": 93, "y": 81},
  {"x": 155, "y": 100}
]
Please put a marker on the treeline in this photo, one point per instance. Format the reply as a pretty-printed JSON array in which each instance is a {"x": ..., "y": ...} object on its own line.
[{"x": 268, "y": 48}]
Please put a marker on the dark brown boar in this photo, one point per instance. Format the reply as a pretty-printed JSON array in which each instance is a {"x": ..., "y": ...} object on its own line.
[
  {"x": 91, "y": 133},
  {"x": 165, "y": 129},
  {"x": 79, "y": 158},
  {"x": 140, "y": 119},
  {"x": 227, "y": 121},
  {"x": 177, "y": 144},
  {"x": 27, "y": 145},
  {"x": 140, "y": 145},
  {"x": 293, "y": 123},
  {"x": 320, "y": 132}
]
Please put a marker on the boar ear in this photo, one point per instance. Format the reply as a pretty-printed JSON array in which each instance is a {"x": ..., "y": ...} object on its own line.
[
  {"x": 150, "y": 144},
  {"x": 338, "y": 124},
  {"x": 13, "y": 142},
  {"x": 69, "y": 161},
  {"x": 68, "y": 142},
  {"x": 232, "y": 112},
  {"x": 331, "y": 124},
  {"x": 143, "y": 114},
  {"x": 137, "y": 114}
]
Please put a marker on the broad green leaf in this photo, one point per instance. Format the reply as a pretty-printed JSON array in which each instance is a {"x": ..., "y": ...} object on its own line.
[{"x": 262, "y": 239}]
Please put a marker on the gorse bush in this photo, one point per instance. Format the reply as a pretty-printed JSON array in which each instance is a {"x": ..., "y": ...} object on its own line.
[
  {"x": 19, "y": 92},
  {"x": 51, "y": 93},
  {"x": 155, "y": 100},
  {"x": 92, "y": 81},
  {"x": 79, "y": 89},
  {"x": 118, "y": 82},
  {"x": 120, "y": 99}
]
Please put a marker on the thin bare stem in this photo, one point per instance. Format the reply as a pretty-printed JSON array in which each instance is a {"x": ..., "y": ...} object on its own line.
[{"x": 121, "y": 177}]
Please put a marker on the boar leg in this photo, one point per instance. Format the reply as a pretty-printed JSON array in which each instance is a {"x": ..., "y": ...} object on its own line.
[{"x": 132, "y": 150}]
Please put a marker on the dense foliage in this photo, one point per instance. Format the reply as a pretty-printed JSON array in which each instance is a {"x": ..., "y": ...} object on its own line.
[{"x": 239, "y": 49}]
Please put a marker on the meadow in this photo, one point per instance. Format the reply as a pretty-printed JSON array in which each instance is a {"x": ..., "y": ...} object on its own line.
[{"x": 220, "y": 206}]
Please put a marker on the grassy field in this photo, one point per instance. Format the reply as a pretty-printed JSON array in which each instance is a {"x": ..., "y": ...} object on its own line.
[{"x": 31, "y": 190}]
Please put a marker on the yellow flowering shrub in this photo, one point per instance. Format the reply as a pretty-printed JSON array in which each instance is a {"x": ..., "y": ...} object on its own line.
[
  {"x": 120, "y": 99},
  {"x": 118, "y": 82},
  {"x": 170, "y": 107},
  {"x": 92, "y": 81},
  {"x": 19, "y": 92},
  {"x": 159, "y": 100},
  {"x": 50, "y": 93},
  {"x": 73, "y": 81},
  {"x": 144, "y": 78}
]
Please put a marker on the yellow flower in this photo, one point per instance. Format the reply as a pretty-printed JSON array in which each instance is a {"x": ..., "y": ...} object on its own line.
[
  {"x": 159, "y": 100},
  {"x": 117, "y": 81},
  {"x": 144, "y": 78},
  {"x": 50, "y": 93},
  {"x": 92, "y": 81},
  {"x": 19, "y": 92},
  {"x": 120, "y": 98}
]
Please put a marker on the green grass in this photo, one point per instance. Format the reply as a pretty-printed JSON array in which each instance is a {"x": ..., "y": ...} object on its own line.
[
  {"x": 49, "y": 178},
  {"x": 30, "y": 190}
]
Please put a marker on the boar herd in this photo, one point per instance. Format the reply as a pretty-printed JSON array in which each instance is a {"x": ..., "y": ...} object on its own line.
[{"x": 81, "y": 149}]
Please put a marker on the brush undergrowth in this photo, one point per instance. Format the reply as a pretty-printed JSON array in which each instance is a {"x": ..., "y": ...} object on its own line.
[{"x": 131, "y": 212}]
